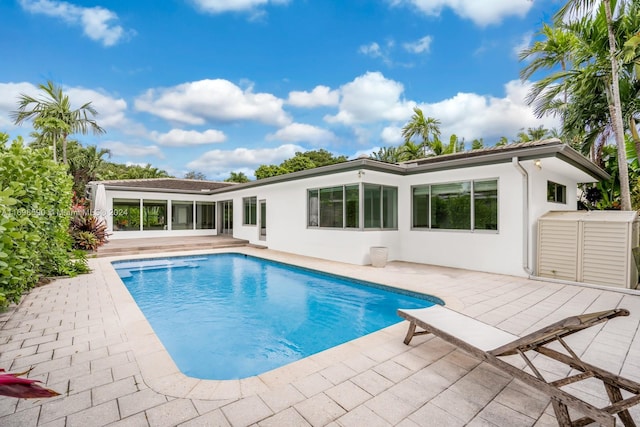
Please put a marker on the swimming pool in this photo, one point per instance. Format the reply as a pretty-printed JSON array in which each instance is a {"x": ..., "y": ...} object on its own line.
[{"x": 230, "y": 316}]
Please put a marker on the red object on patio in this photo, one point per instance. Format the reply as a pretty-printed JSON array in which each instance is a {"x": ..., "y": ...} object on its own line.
[{"x": 13, "y": 386}]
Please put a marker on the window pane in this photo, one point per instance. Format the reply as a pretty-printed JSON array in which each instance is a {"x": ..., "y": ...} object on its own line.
[
  {"x": 154, "y": 215},
  {"x": 420, "y": 207},
  {"x": 314, "y": 207},
  {"x": 451, "y": 206},
  {"x": 485, "y": 205},
  {"x": 331, "y": 207},
  {"x": 205, "y": 215},
  {"x": 372, "y": 214},
  {"x": 390, "y": 207},
  {"x": 352, "y": 198},
  {"x": 126, "y": 214},
  {"x": 250, "y": 210},
  {"x": 556, "y": 192},
  {"x": 181, "y": 215}
]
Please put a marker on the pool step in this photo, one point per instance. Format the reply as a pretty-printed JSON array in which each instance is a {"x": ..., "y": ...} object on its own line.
[{"x": 156, "y": 245}]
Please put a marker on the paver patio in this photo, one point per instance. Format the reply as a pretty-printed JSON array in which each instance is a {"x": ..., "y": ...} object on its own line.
[{"x": 84, "y": 338}]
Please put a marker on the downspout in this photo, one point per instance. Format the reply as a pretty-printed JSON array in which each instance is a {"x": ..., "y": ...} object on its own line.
[{"x": 525, "y": 215}]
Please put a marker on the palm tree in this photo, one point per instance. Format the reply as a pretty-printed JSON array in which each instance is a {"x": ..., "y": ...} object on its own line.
[
  {"x": 410, "y": 151},
  {"x": 584, "y": 7},
  {"x": 555, "y": 49},
  {"x": 427, "y": 128},
  {"x": 386, "y": 154},
  {"x": 53, "y": 117}
]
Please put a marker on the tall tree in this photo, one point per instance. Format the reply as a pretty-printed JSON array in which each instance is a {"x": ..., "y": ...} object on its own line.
[
  {"x": 425, "y": 128},
  {"x": 237, "y": 177},
  {"x": 195, "y": 175},
  {"x": 587, "y": 7},
  {"x": 53, "y": 116},
  {"x": 554, "y": 49}
]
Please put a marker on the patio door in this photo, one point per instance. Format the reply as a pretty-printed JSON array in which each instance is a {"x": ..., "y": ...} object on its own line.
[
  {"x": 225, "y": 220},
  {"x": 263, "y": 219}
]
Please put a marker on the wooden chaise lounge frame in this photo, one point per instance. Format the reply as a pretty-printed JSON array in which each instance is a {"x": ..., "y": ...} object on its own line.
[{"x": 489, "y": 344}]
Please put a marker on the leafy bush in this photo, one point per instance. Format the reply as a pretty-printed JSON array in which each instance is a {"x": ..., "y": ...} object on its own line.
[
  {"x": 35, "y": 198},
  {"x": 88, "y": 231}
]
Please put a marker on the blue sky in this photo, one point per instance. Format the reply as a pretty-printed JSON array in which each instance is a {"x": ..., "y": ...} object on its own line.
[{"x": 226, "y": 85}]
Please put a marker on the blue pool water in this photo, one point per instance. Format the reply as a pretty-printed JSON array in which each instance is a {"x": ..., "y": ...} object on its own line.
[{"x": 227, "y": 316}]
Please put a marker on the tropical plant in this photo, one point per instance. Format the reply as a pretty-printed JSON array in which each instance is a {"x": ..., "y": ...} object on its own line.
[
  {"x": 386, "y": 154},
  {"x": 88, "y": 231},
  {"x": 54, "y": 118},
  {"x": 592, "y": 81},
  {"x": 425, "y": 128},
  {"x": 239, "y": 177},
  {"x": 477, "y": 144},
  {"x": 455, "y": 145},
  {"x": 533, "y": 134},
  {"x": 411, "y": 151}
]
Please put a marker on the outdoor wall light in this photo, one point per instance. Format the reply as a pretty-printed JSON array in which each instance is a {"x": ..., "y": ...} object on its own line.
[
  {"x": 537, "y": 163},
  {"x": 360, "y": 173}
]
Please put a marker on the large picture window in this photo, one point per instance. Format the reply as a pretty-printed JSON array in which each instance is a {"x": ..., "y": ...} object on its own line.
[
  {"x": 205, "y": 215},
  {"x": 485, "y": 205},
  {"x": 346, "y": 206},
  {"x": 331, "y": 207},
  {"x": 181, "y": 215},
  {"x": 465, "y": 205},
  {"x": 154, "y": 214},
  {"x": 250, "y": 211},
  {"x": 380, "y": 206},
  {"x": 451, "y": 206},
  {"x": 126, "y": 214}
]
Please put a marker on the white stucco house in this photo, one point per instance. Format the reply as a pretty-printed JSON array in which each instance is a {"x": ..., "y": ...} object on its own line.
[{"x": 476, "y": 210}]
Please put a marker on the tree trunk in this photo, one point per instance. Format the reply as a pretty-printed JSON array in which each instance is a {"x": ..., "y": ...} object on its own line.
[
  {"x": 64, "y": 149},
  {"x": 615, "y": 109}
]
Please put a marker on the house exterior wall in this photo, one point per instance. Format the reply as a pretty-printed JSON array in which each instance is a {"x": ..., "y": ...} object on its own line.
[
  {"x": 119, "y": 194},
  {"x": 494, "y": 251},
  {"x": 498, "y": 251},
  {"x": 287, "y": 220}
]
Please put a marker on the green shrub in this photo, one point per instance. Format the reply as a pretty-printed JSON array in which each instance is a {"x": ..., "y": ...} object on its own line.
[{"x": 35, "y": 201}]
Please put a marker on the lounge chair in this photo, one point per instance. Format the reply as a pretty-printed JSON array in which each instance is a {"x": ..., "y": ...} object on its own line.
[{"x": 489, "y": 344}]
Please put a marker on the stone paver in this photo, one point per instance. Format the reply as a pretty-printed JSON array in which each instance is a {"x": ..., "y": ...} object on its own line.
[{"x": 81, "y": 336}]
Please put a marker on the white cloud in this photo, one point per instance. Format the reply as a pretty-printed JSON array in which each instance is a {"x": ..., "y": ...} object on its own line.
[
  {"x": 422, "y": 45},
  {"x": 186, "y": 138},
  {"x": 223, "y": 161},
  {"x": 373, "y": 50},
  {"x": 98, "y": 23},
  {"x": 320, "y": 96},
  {"x": 470, "y": 115},
  {"x": 217, "y": 100},
  {"x": 391, "y": 135},
  {"x": 480, "y": 12},
  {"x": 372, "y": 98},
  {"x": 111, "y": 111},
  {"x": 300, "y": 132},
  {"x": 222, "y": 6},
  {"x": 522, "y": 44},
  {"x": 120, "y": 149},
  {"x": 9, "y": 94}
]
